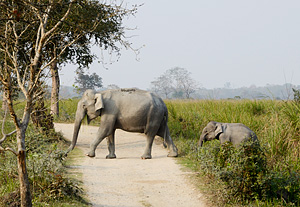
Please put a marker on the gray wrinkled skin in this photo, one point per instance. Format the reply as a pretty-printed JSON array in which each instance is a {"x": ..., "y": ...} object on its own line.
[
  {"x": 132, "y": 110},
  {"x": 232, "y": 132}
]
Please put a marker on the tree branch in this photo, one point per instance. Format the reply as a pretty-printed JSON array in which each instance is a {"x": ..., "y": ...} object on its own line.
[
  {"x": 3, "y": 122},
  {"x": 8, "y": 149}
]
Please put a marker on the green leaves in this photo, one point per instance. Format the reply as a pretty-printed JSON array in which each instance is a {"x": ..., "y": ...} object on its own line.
[{"x": 86, "y": 81}]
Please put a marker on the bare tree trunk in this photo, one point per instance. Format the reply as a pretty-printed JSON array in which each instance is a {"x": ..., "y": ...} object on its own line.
[
  {"x": 23, "y": 179},
  {"x": 22, "y": 170},
  {"x": 55, "y": 89},
  {"x": 21, "y": 153}
]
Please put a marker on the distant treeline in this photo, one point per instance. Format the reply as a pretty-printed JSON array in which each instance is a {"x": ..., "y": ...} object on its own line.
[{"x": 274, "y": 92}]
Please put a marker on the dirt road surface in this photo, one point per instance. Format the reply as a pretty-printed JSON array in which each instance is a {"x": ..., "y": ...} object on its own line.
[{"x": 129, "y": 181}]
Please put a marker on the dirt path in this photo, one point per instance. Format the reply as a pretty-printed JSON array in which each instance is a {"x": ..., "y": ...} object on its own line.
[{"x": 129, "y": 181}]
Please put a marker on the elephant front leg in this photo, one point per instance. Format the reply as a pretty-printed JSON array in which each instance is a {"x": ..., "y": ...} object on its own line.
[
  {"x": 101, "y": 134},
  {"x": 147, "y": 153},
  {"x": 111, "y": 146}
]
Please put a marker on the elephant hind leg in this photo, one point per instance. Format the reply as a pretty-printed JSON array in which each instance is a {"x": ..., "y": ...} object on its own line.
[
  {"x": 147, "y": 153},
  {"x": 165, "y": 134}
]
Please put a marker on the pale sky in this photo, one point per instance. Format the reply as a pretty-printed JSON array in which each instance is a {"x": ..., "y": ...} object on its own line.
[{"x": 249, "y": 42}]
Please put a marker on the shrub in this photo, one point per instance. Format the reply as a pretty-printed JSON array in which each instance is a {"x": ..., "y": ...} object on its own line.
[
  {"x": 246, "y": 175},
  {"x": 242, "y": 169},
  {"x": 282, "y": 185},
  {"x": 47, "y": 174}
]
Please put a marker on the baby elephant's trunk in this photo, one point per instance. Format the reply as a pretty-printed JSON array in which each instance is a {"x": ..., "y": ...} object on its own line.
[{"x": 201, "y": 140}]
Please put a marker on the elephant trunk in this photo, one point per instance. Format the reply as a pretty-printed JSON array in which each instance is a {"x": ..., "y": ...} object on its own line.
[
  {"x": 80, "y": 114},
  {"x": 201, "y": 140}
]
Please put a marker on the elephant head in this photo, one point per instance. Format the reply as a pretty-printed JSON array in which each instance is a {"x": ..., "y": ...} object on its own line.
[
  {"x": 90, "y": 104},
  {"x": 211, "y": 131}
]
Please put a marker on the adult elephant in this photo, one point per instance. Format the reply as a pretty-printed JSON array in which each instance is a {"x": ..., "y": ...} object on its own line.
[
  {"x": 132, "y": 110},
  {"x": 226, "y": 132}
]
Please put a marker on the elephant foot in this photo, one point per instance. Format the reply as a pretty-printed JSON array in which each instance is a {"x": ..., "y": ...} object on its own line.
[
  {"x": 173, "y": 154},
  {"x": 91, "y": 154},
  {"x": 144, "y": 157},
  {"x": 111, "y": 156}
]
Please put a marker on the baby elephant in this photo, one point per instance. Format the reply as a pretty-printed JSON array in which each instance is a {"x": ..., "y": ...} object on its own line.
[{"x": 232, "y": 132}]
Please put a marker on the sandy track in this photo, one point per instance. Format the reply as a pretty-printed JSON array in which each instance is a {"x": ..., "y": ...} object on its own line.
[{"x": 129, "y": 181}]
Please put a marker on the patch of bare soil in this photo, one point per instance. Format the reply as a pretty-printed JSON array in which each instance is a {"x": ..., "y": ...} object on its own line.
[{"x": 129, "y": 181}]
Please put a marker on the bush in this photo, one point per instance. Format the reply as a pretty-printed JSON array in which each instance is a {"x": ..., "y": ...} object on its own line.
[
  {"x": 45, "y": 165},
  {"x": 242, "y": 169},
  {"x": 245, "y": 173},
  {"x": 284, "y": 186}
]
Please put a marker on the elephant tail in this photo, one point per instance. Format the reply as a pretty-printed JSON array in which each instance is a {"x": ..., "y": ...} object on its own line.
[{"x": 166, "y": 133}]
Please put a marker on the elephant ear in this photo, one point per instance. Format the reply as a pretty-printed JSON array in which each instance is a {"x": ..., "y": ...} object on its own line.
[
  {"x": 98, "y": 102},
  {"x": 219, "y": 129}
]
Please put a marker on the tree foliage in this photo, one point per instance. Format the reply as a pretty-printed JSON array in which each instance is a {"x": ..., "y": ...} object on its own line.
[
  {"x": 85, "y": 81},
  {"x": 176, "y": 82}
]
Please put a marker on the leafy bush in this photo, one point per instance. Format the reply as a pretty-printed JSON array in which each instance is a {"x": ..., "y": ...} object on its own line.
[
  {"x": 282, "y": 185},
  {"x": 242, "y": 169},
  {"x": 246, "y": 175},
  {"x": 45, "y": 165}
]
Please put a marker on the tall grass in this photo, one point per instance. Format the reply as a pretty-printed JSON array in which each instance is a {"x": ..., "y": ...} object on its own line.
[{"x": 276, "y": 123}]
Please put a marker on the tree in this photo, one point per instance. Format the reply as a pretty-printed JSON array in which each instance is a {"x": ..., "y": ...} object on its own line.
[
  {"x": 29, "y": 30},
  {"x": 86, "y": 81},
  {"x": 183, "y": 82},
  {"x": 106, "y": 34},
  {"x": 163, "y": 84},
  {"x": 176, "y": 81}
]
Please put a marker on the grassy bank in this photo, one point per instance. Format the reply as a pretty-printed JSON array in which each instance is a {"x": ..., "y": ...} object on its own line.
[{"x": 268, "y": 175}]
